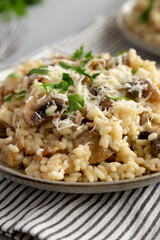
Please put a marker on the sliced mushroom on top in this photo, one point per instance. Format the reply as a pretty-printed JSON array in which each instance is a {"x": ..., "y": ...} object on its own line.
[
  {"x": 98, "y": 153},
  {"x": 145, "y": 87},
  {"x": 34, "y": 112},
  {"x": 3, "y": 129},
  {"x": 106, "y": 103}
]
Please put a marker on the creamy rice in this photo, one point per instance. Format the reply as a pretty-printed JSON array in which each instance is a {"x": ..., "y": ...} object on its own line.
[
  {"x": 108, "y": 131},
  {"x": 144, "y": 20}
]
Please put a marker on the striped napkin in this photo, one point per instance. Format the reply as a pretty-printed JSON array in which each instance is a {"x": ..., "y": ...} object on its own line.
[{"x": 28, "y": 214}]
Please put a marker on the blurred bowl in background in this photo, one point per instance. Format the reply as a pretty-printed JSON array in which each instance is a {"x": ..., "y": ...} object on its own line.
[{"x": 124, "y": 11}]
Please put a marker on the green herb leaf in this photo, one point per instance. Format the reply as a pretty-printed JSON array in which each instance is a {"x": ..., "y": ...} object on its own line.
[
  {"x": 134, "y": 71},
  {"x": 64, "y": 65},
  {"x": 44, "y": 66},
  {"x": 10, "y": 8},
  {"x": 80, "y": 54},
  {"x": 117, "y": 98},
  {"x": 80, "y": 70},
  {"x": 97, "y": 74},
  {"x": 14, "y": 75},
  {"x": 66, "y": 82},
  {"x": 67, "y": 79},
  {"x": 120, "y": 53},
  {"x": 145, "y": 15},
  {"x": 88, "y": 56},
  {"x": 39, "y": 71},
  {"x": 19, "y": 95},
  {"x": 76, "y": 102}
]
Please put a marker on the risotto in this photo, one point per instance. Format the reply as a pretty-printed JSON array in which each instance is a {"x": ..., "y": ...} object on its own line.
[
  {"x": 144, "y": 20},
  {"x": 82, "y": 118}
]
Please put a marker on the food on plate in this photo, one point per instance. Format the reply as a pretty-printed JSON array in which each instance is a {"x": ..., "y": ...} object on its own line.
[
  {"x": 144, "y": 20},
  {"x": 82, "y": 118}
]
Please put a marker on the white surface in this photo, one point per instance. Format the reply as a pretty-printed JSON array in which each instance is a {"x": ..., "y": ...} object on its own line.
[{"x": 56, "y": 19}]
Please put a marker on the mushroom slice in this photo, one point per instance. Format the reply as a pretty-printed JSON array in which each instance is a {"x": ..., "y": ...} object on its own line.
[
  {"x": 3, "y": 128},
  {"x": 34, "y": 112},
  {"x": 145, "y": 87},
  {"x": 106, "y": 103},
  {"x": 98, "y": 153},
  {"x": 144, "y": 116},
  {"x": 155, "y": 147}
]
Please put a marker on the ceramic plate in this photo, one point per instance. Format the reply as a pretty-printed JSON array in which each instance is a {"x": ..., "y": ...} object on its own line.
[
  {"x": 132, "y": 37},
  {"x": 18, "y": 175}
]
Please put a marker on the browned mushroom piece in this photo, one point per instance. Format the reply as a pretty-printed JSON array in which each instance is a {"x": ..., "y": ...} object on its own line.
[
  {"x": 98, "y": 153},
  {"x": 1, "y": 95},
  {"x": 155, "y": 147},
  {"x": 149, "y": 90},
  {"x": 34, "y": 112},
  {"x": 106, "y": 103},
  {"x": 144, "y": 116},
  {"x": 3, "y": 128},
  {"x": 32, "y": 77},
  {"x": 77, "y": 119}
]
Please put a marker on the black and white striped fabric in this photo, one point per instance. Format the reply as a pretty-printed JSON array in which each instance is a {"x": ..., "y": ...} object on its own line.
[{"x": 27, "y": 213}]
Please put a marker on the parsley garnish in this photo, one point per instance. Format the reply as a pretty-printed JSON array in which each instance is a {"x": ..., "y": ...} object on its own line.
[
  {"x": 39, "y": 71},
  {"x": 134, "y": 71},
  {"x": 80, "y": 70},
  {"x": 11, "y": 7},
  {"x": 80, "y": 54},
  {"x": 120, "y": 53},
  {"x": 64, "y": 85},
  {"x": 117, "y": 98},
  {"x": 14, "y": 75},
  {"x": 76, "y": 102},
  {"x": 19, "y": 95},
  {"x": 67, "y": 78},
  {"x": 145, "y": 15},
  {"x": 44, "y": 66}
]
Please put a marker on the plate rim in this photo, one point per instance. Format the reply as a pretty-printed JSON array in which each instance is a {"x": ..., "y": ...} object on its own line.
[
  {"x": 9, "y": 172},
  {"x": 25, "y": 177}
]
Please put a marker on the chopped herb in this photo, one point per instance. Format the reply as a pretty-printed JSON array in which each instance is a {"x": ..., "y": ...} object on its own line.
[
  {"x": 14, "y": 75},
  {"x": 80, "y": 54},
  {"x": 75, "y": 102},
  {"x": 66, "y": 82},
  {"x": 44, "y": 66},
  {"x": 120, "y": 53},
  {"x": 134, "y": 71},
  {"x": 117, "y": 98},
  {"x": 10, "y": 8},
  {"x": 63, "y": 65},
  {"x": 145, "y": 15},
  {"x": 39, "y": 71},
  {"x": 80, "y": 70},
  {"x": 48, "y": 113},
  {"x": 19, "y": 95},
  {"x": 67, "y": 78},
  {"x": 63, "y": 85}
]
